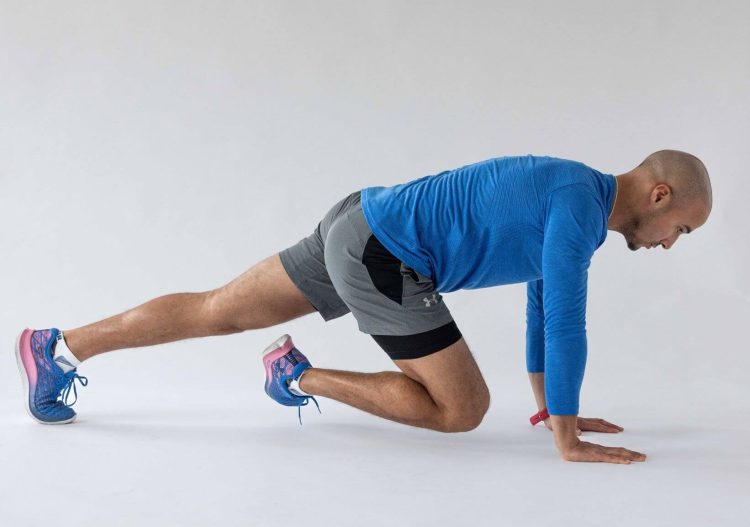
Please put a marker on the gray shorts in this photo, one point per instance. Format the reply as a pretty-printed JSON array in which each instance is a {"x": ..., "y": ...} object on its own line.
[{"x": 342, "y": 267}]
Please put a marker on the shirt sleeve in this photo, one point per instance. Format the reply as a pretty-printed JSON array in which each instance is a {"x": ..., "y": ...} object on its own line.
[
  {"x": 534, "y": 327},
  {"x": 572, "y": 230}
]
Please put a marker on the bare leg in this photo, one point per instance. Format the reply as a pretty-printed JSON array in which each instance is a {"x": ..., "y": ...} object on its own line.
[
  {"x": 444, "y": 391},
  {"x": 262, "y": 296}
]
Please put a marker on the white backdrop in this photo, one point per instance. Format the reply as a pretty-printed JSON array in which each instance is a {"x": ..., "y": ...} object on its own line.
[{"x": 156, "y": 147}]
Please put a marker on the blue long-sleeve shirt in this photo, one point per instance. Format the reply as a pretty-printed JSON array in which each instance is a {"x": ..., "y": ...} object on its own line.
[{"x": 508, "y": 220}]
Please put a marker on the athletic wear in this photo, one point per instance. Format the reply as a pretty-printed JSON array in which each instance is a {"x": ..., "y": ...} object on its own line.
[
  {"x": 483, "y": 224},
  {"x": 343, "y": 267},
  {"x": 502, "y": 221},
  {"x": 283, "y": 363},
  {"x": 294, "y": 386},
  {"x": 46, "y": 386},
  {"x": 63, "y": 357}
]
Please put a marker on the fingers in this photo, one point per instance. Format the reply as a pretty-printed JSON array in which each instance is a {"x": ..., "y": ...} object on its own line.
[
  {"x": 585, "y": 451},
  {"x": 635, "y": 456},
  {"x": 578, "y": 431},
  {"x": 607, "y": 428},
  {"x": 622, "y": 455},
  {"x": 598, "y": 425},
  {"x": 610, "y": 425}
]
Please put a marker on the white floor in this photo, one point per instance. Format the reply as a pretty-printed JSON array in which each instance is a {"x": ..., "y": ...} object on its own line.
[
  {"x": 152, "y": 447},
  {"x": 152, "y": 147}
]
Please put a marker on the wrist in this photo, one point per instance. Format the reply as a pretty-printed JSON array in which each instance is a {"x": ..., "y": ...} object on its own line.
[
  {"x": 564, "y": 429},
  {"x": 541, "y": 415}
]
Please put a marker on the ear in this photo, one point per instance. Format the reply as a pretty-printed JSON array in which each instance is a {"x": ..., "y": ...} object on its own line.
[{"x": 661, "y": 194}]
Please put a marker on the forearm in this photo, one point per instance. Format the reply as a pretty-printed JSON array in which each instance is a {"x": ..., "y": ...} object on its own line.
[
  {"x": 565, "y": 427},
  {"x": 537, "y": 386}
]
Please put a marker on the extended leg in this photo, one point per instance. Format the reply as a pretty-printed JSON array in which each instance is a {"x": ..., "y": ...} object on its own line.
[
  {"x": 262, "y": 296},
  {"x": 443, "y": 391}
]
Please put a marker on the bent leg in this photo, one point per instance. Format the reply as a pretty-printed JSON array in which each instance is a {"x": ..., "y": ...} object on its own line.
[
  {"x": 440, "y": 385},
  {"x": 443, "y": 391},
  {"x": 262, "y": 296}
]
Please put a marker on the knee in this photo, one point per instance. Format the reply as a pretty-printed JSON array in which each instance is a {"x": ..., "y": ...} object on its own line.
[
  {"x": 219, "y": 315},
  {"x": 468, "y": 415}
]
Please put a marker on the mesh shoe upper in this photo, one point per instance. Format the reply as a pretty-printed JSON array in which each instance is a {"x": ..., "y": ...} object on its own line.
[
  {"x": 283, "y": 364},
  {"x": 48, "y": 398}
]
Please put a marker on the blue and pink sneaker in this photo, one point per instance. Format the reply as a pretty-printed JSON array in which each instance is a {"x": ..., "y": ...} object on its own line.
[
  {"x": 46, "y": 386},
  {"x": 284, "y": 363}
]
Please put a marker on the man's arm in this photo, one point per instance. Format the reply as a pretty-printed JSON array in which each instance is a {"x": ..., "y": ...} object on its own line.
[
  {"x": 535, "y": 342},
  {"x": 534, "y": 327},
  {"x": 572, "y": 230},
  {"x": 537, "y": 386}
]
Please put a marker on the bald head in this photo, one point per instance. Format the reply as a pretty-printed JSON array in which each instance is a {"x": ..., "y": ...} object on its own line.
[
  {"x": 668, "y": 195},
  {"x": 685, "y": 174}
]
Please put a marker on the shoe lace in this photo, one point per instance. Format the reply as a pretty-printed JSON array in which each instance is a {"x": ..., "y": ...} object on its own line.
[
  {"x": 304, "y": 403},
  {"x": 72, "y": 376}
]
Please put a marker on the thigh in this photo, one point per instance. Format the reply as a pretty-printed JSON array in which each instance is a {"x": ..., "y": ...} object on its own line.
[
  {"x": 286, "y": 285},
  {"x": 452, "y": 378},
  {"x": 262, "y": 296}
]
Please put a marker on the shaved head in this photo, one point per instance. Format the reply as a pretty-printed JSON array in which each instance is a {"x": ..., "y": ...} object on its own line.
[
  {"x": 667, "y": 196},
  {"x": 684, "y": 173}
]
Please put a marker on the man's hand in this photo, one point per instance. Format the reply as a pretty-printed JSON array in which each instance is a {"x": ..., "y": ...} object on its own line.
[
  {"x": 584, "y": 451},
  {"x": 565, "y": 428},
  {"x": 589, "y": 424}
]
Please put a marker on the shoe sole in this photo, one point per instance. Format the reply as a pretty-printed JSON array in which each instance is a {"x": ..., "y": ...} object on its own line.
[
  {"x": 279, "y": 342},
  {"x": 25, "y": 382}
]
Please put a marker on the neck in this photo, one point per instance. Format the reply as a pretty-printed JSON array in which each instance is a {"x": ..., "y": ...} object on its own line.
[{"x": 622, "y": 206}]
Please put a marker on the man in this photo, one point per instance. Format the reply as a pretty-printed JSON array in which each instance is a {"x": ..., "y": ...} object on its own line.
[{"x": 386, "y": 255}]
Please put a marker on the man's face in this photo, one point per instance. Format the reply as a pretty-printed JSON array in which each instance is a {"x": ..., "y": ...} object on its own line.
[{"x": 660, "y": 224}]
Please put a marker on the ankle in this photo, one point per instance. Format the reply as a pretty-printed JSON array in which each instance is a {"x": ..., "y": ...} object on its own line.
[
  {"x": 297, "y": 383},
  {"x": 73, "y": 344},
  {"x": 62, "y": 355}
]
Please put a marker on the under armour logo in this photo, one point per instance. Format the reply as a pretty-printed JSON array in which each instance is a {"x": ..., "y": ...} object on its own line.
[{"x": 429, "y": 301}]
